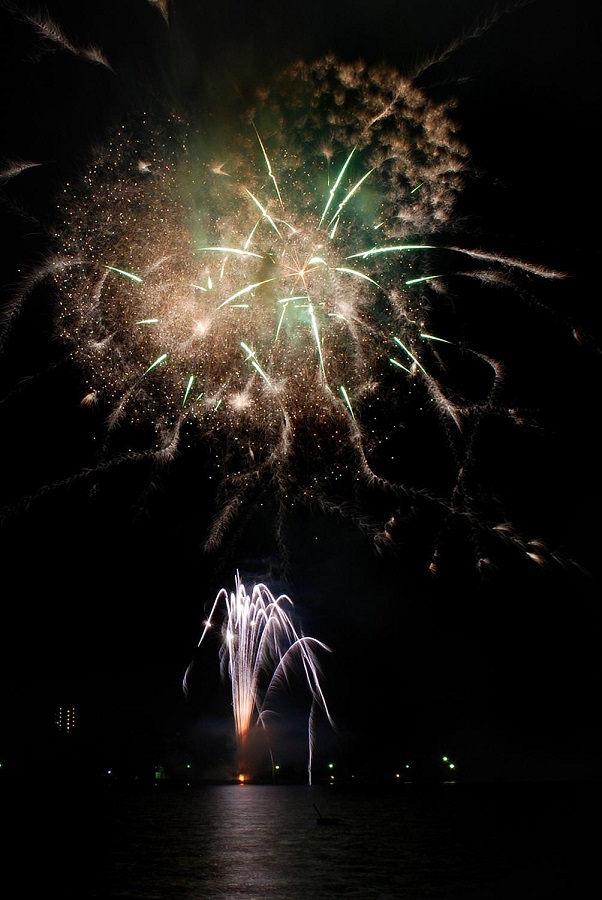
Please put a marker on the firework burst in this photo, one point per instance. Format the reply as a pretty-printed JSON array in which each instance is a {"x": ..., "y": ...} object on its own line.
[
  {"x": 279, "y": 296},
  {"x": 260, "y": 650}
]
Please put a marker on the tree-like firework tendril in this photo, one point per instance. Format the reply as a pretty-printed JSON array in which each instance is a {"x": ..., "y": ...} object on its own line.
[
  {"x": 259, "y": 649},
  {"x": 276, "y": 299}
]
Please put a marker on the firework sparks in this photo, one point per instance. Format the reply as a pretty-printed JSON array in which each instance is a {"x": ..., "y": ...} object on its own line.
[
  {"x": 277, "y": 299},
  {"x": 162, "y": 6},
  {"x": 54, "y": 36},
  {"x": 259, "y": 651}
]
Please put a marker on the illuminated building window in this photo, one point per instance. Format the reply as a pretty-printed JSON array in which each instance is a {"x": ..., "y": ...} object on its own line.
[{"x": 65, "y": 718}]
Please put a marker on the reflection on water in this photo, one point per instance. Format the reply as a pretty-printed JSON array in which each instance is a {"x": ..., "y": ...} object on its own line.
[{"x": 455, "y": 842}]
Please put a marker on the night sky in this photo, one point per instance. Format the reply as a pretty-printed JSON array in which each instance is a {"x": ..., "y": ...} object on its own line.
[{"x": 105, "y": 579}]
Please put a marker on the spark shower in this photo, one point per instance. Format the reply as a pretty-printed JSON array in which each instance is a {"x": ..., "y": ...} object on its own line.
[{"x": 260, "y": 650}]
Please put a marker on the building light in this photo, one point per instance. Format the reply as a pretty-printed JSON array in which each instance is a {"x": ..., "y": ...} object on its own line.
[{"x": 65, "y": 718}]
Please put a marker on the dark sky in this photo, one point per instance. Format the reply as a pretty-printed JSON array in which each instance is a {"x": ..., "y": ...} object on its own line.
[{"x": 104, "y": 589}]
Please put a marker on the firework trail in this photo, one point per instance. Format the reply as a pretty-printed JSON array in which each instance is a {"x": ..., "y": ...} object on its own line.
[
  {"x": 274, "y": 295},
  {"x": 162, "y": 6},
  {"x": 260, "y": 650},
  {"x": 53, "y": 36}
]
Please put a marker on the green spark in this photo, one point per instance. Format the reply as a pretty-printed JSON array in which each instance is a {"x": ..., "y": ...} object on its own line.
[
  {"x": 235, "y": 250},
  {"x": 264, "y": 212},
  {"x": 357, "y": 274},
  {"x": 433, "y": 337},
  {"x": 188, "y": 389},
  {"x": 125, "y": 274},
  {"x": 253, "y": 360},
  {"x": 424, "y": 278},
  {"x": 252, "y": 233},
  {"x": 285, "y": 301},
  {"x": 350, "y": 194},
  {"x": 376, "y": 251},
  {"x": 245, "y": 290},
  {"x": 399, "y": 365},
  {"x": 156, "y": 363},
  {"x": 336, "y": 184},
  {"x": 268, "y": 164},
  {"x": 280, "y": 321},
  {"x": 347, "y": 400},
  {"x": 410, "y": 354},
  {"x": 314, "y": 326}
]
